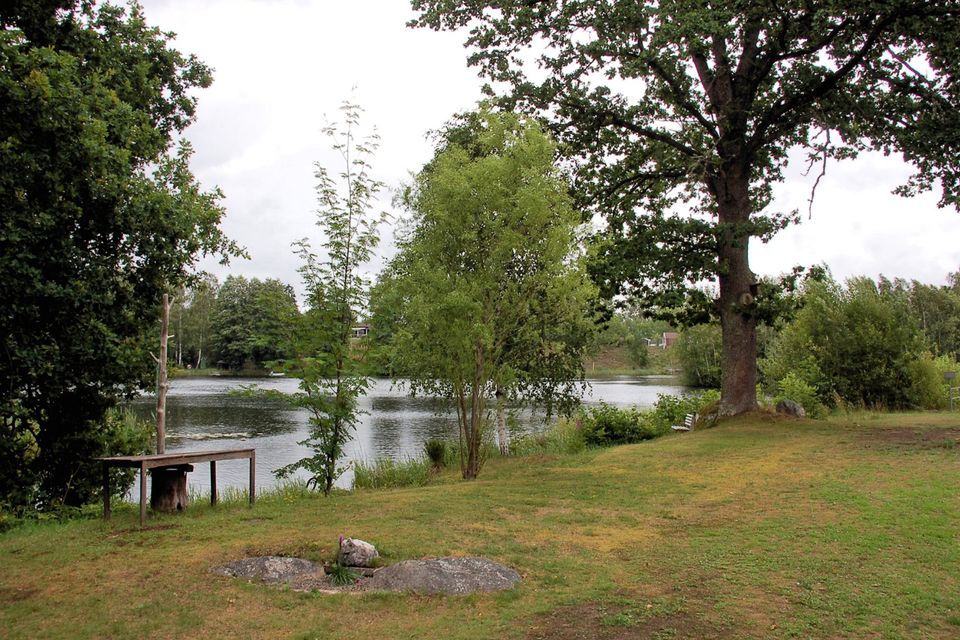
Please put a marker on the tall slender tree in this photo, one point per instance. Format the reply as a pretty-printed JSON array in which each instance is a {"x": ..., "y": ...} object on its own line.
[
  {"x": 679, "y": 116},
  {"x": 331, "y": 378}
]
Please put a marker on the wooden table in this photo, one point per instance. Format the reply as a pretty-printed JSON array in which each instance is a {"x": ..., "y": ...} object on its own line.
[{"x": 173, "y": 459}]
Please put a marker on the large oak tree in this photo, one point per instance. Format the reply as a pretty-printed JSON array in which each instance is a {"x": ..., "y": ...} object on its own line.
[
  {"x": 680, "y": 115},
  {"x": 99, "y": 215}
]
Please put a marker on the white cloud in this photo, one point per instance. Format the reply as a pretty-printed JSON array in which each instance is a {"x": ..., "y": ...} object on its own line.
[{"x": 281, "y": 66}]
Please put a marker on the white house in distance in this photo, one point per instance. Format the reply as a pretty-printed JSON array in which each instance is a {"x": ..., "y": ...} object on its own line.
[{"x": 360, "y": 331}]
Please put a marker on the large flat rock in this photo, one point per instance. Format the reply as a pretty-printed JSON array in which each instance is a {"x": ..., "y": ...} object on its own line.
[
  {"x": 443, "y": 575},
  {"x": 270, "y": 569}
]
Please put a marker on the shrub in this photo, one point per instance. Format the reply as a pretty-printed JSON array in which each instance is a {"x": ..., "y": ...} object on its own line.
[
  {"x": 436, "y": 452},
  {"x": 125, "y": 434},
  {"x": 927, "y": 387},
  {"x": 793, "y": 387},
  {"x": 671, "y": 410},
  {"x": 384, "y": 473},
  {"x": 341, "y": 575},
  {"x": 855, "y": 344},
  {"x": 605, "y": 425},
  {"x": 488, "y": 450}
]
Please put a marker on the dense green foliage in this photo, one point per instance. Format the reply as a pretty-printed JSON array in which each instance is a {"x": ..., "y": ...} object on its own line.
[
  {"x": 487, "y": 295},
  {"x": 101, "y": 215},
  {"x": 936, "y": 309},
  {"x": 191, "y": 316},
  {"x": 855, "y": 344},
  {"x": 680, "y": 118},
  {"x": 253, "y": 322},
  {"x": 606, "y": 425},
  {"x": 699, "y": 351},
  {"x": 332, "y": 378}
]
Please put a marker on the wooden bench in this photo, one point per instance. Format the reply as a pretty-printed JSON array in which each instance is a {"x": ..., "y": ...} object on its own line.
[
  {"x": 688, "y": 422},
  {"x": 180, "y": 459}
]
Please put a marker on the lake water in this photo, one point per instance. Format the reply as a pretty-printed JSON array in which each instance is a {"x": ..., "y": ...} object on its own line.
[{"x": 203, "y": 415}]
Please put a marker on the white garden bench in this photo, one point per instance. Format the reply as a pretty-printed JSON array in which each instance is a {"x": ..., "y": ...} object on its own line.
[{"x": 688, "y": 422}]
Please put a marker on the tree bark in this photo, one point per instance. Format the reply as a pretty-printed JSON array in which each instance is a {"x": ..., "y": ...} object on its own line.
[{"x": 738, "y": 288}]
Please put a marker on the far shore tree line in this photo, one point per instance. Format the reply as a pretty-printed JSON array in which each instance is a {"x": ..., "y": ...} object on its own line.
[
  {"x": 896, "y": 326},
  {"x": 669, "y": 122}
]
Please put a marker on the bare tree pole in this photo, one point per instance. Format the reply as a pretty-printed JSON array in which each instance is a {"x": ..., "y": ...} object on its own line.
[{"x": 162, "y": 376}]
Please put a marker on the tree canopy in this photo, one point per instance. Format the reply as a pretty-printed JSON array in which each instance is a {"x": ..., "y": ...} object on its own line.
[
  {"x": 680, "y": 116},
  {"x": 101, "y": 214},
  {"x": 254, "y": 322},
  {"x": 487, "y": 294}
]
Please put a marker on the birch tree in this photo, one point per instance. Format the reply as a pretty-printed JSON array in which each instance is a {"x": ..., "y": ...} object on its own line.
[{"x": 488, "y": 290}]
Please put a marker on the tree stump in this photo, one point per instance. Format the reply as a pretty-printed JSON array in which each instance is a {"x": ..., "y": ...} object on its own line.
[{"x": 168, "y": 488}]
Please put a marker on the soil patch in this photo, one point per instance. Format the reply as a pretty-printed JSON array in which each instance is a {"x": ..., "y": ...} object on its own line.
[
  {"x": 913, "y": 438},
  {"x": 591, "y": 621},
  {"x": 10, "y": 595}
]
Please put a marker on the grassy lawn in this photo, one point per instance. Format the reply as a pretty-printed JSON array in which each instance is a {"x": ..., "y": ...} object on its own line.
[{"x": 759, "y": 528}]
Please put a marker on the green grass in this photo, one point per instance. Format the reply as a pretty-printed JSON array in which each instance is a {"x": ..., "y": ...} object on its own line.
[
  {"x": 385, "y": 473},
  {"x": 758, "y": 528}
]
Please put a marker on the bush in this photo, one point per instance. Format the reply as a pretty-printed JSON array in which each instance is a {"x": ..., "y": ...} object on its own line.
[
  {"x": 853, "y": 344},
  {"x": 927, "y": 385},
  {"x": 384, "y": 473},
  {"x": 671, "y": 410},
  {"x": 436, "y": 452},
  {"x": 793, "y": 387},
  {"x": 126, "y": 434},
  {"x": 488, "y": 450},
  {"x": 606, "y": 425}
]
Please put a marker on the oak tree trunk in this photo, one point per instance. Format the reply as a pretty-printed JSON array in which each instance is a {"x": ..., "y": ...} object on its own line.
[{"x": 738, "y": 288}]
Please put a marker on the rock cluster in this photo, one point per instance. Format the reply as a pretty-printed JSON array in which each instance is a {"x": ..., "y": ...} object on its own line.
[{"x": 452, "y": 576}]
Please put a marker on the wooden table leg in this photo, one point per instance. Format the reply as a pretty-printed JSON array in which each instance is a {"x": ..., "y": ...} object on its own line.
[
  {"x": 106, "y": 491},
  {"x": 253, "y": 477},
  {"x": 143, "y": 494},
  {"x": 213, "y": 482}
]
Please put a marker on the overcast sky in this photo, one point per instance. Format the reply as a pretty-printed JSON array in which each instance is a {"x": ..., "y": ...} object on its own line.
[{"x": 283, "y": 67}]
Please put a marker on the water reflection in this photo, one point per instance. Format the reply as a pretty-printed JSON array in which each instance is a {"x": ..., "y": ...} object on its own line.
[{"x": 202, "y": 415}]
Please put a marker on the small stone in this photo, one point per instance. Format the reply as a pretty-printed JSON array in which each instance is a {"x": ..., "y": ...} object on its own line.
[
  {"x": 791, "y": 408},
  {"x": 356, "y": 553}
]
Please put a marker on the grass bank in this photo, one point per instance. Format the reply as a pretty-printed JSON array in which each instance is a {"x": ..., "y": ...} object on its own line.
[{"x": 759, "y": 528}]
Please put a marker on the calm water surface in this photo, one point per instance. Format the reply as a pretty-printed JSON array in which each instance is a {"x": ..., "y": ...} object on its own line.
[{"x": 203, "y": 415}]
